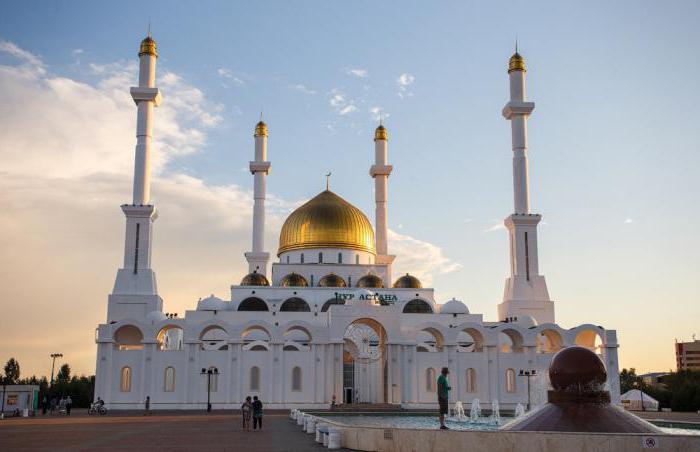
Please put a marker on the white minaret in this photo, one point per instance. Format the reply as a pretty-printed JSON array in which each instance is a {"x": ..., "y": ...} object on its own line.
[
  {"x": 526, "y": 290},
  {"x": 135, "y": 293},
  {"x": 259, "y": 168},
  {"x": 380, "y": 171}
]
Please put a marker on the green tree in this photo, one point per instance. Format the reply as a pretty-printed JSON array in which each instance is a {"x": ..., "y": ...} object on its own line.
[
  {"x": 63, "y": 373},
  {"x": 628, "y": 378},
  {"x": 11, "y": 371}
]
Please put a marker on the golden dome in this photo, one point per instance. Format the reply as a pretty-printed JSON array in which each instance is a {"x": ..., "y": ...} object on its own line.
[
  {"x": 331, "y": 280},
  {"x": 254, "y": 279},
  {"x": 327, "y": 221},
  {"x": 516, "y": 63},
  {"x": 293, "y": 280},
  {"x": 380, "y": 133},
  {"x": 261, "y": 129},
  {"x": 370, "y": 281},
  {"x": 408, "y": 282},
  {"x": 148, "y": 47}
]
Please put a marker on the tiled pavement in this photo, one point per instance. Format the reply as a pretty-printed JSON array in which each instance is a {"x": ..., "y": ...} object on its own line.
[{"x": 161, "y": 431}]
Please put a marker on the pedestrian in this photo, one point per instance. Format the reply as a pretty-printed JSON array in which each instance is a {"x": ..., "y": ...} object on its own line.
[
  {"x": 257, "y": 413},
  {"x": 443, "y": 394},
  {"x": 246, "y": 411},
  {"x": 44, "y": 405},
  {"x": 333, "y": 402},
  {"x": 52, "y": 408},
  {"x": 69, "y": 405},
  {"x": 62, "y": 405},
  {"x": 147, "y": 404}
]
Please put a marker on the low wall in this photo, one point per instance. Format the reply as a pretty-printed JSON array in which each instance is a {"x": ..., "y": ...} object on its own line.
[{"x": 405, "y": 440}]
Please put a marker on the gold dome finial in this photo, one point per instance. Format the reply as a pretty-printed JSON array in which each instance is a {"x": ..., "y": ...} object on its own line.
[
  {"x": 148, "y": 46},
  {"x": 261, "y": 128},
  {"x": 516, "y": 62},
  {"x": 380, "y": 132}
]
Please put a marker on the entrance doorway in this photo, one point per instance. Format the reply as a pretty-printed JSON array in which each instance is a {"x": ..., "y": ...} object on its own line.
[{"x": 365, "y": 365}]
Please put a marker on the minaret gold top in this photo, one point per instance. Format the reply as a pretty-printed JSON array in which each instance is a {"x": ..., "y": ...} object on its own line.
[
  {"x": 516, "y": 63},
  {"x": 148, "y": 47},
  {"x": 380, "y": 133},
  {"x": 261, "y": 129}
]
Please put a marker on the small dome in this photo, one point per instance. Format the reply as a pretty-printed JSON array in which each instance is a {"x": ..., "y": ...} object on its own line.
[
  {"x": 148, "y": 47},
  {"x": 293, "y": 280},
  {"x": 526, "y": 321},
  {"x": 261, "y": 129},
  {"x": 211, "y": 303},
  {"x": 408, "y": 282},
  {"x": 577, "y": 369},
  {"x": 254, "y": 279},
  {"x": 454, "y": 307},
  {"x": 331, "y": 280},
  {"x": 372, "y": 281},
  {"x": 516, "y": 63},
  {"x": 155, "y": 316},
  {"x": 380, "y": 133}
]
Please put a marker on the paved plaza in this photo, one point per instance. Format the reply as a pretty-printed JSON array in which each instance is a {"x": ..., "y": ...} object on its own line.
[{"x": 220, "y": 431}]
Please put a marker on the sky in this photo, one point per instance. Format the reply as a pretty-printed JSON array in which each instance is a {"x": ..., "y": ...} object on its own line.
[{"x": 613, "y": 152}]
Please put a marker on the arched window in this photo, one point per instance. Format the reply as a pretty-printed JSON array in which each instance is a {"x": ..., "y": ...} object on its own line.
[
  {"x": 330, "y": 303},
  {"x": 430, "y": 379},
  {"x": 287, "y": 259},
  {"x": 255, "y": 378},
  {"x": 471, "y": 380},
  {"x": 417, "y": 307},
  {"x": 510, "y": 380},
  {"x": 125, "y": 381},
  {"x": 295, "y": 304},
  {"x": 169, "y": 380},
  {"x": 357, "y": 259},
  {"x": 302, "y": 258},
  {"x": 128, "y": 337},
  {"x": 340, "y": 258},
  {"x": 170, "y": 338},
  {"x": 320, "y": 258},
  {"x": 296, "y": 379},
  {"x": 253, "y": 304}
]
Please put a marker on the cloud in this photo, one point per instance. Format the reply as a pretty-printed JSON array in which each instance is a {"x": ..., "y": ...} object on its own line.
[
  {"x": 29, "y": 60},
  {"x": 302, "y": 88},
  {"x": 404, "y": 81},
  {"x": 378, "y": 113},
  {"x": 419, "y": 258},
  {"x": 360, "y": 73},
  {"x": 339, "y": 101},
  {"x": 498, "y": 226},
  {"x": 76, "y": 52},
  {"x": 629, "y": 221},
  {"x": 228, "y": 74}
]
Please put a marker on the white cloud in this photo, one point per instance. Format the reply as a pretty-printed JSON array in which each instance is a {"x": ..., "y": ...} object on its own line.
[
  {"x": 77, "y": 52},
  {"x": 339, "y": 101},
  {"x": 498, "y": 226},
  {"x": 419, "y": 258},
  {"x": 228, "y": 74},
  {"x": 404, "y": 81},
  {"x": 378, "y": 113},
  {"x": 629, "y": 221},
  {"x": 360, "y": 73},
  {"x": 29, "y": 60},
  {"x": 302, "y": 88}
]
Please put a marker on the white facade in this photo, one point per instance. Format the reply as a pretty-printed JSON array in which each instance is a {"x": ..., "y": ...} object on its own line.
[{"x": 302, "y": 345}]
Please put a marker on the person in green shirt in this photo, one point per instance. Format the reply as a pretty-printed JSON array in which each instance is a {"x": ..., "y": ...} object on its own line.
[{"x": 443, "y": 393}]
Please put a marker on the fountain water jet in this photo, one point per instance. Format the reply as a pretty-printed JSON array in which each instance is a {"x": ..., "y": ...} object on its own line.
[
  {"x": 459, "y": 412},
  {"x": 496, "y": 416},
  {"x": 475, "y": 411},
  {"x": 519, "y": 410}
]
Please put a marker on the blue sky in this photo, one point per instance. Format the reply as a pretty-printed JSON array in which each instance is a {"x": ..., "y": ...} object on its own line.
[{"x": 613, "y": 138}]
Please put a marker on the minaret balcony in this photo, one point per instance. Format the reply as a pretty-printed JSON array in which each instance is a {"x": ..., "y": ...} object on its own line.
[
  {"x": 260, "y": 167},
  {"x": 380, "y": 170},
  {"x": 517, "y": 108},
  {"x": 140, "y": 94}
]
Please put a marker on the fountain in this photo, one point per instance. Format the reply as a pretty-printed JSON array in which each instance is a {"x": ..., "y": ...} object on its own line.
[
  {"x": 459, "y": 412},
  {"x": 475, "y": 411},
  {"x": 496, "y": 412},
  {"x": 519, "y": 410}
]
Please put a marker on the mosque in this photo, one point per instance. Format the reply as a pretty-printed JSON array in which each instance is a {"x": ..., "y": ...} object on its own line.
[{"x": 327, "y": 320}]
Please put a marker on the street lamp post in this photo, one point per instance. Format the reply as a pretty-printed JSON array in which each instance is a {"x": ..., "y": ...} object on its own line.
[
  {"x": 209, "y": 373},
  {"x": 641, "y": 393},
  {"x": 53, "y": 364},
  {"x": 528, "y": 374}
]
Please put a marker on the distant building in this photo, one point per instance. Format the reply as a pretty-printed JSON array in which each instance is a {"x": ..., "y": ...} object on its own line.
[
  {"x": 19, "y": 397},
  {"x": 653, "y": 378},
  {"x": 688, "y": 355}
]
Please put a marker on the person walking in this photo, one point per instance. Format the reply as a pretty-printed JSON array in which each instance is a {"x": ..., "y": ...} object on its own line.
[
  {"x": 257, "y": 413},
  {"x": 44, "y": 405},
  {"x": 246, "y": 411},
  {"x": 147, "y": 406},
  {"x": 52, "y": 408},
  {"x": 69, "y": 405},
  {"x": 443, "y": 394}
]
